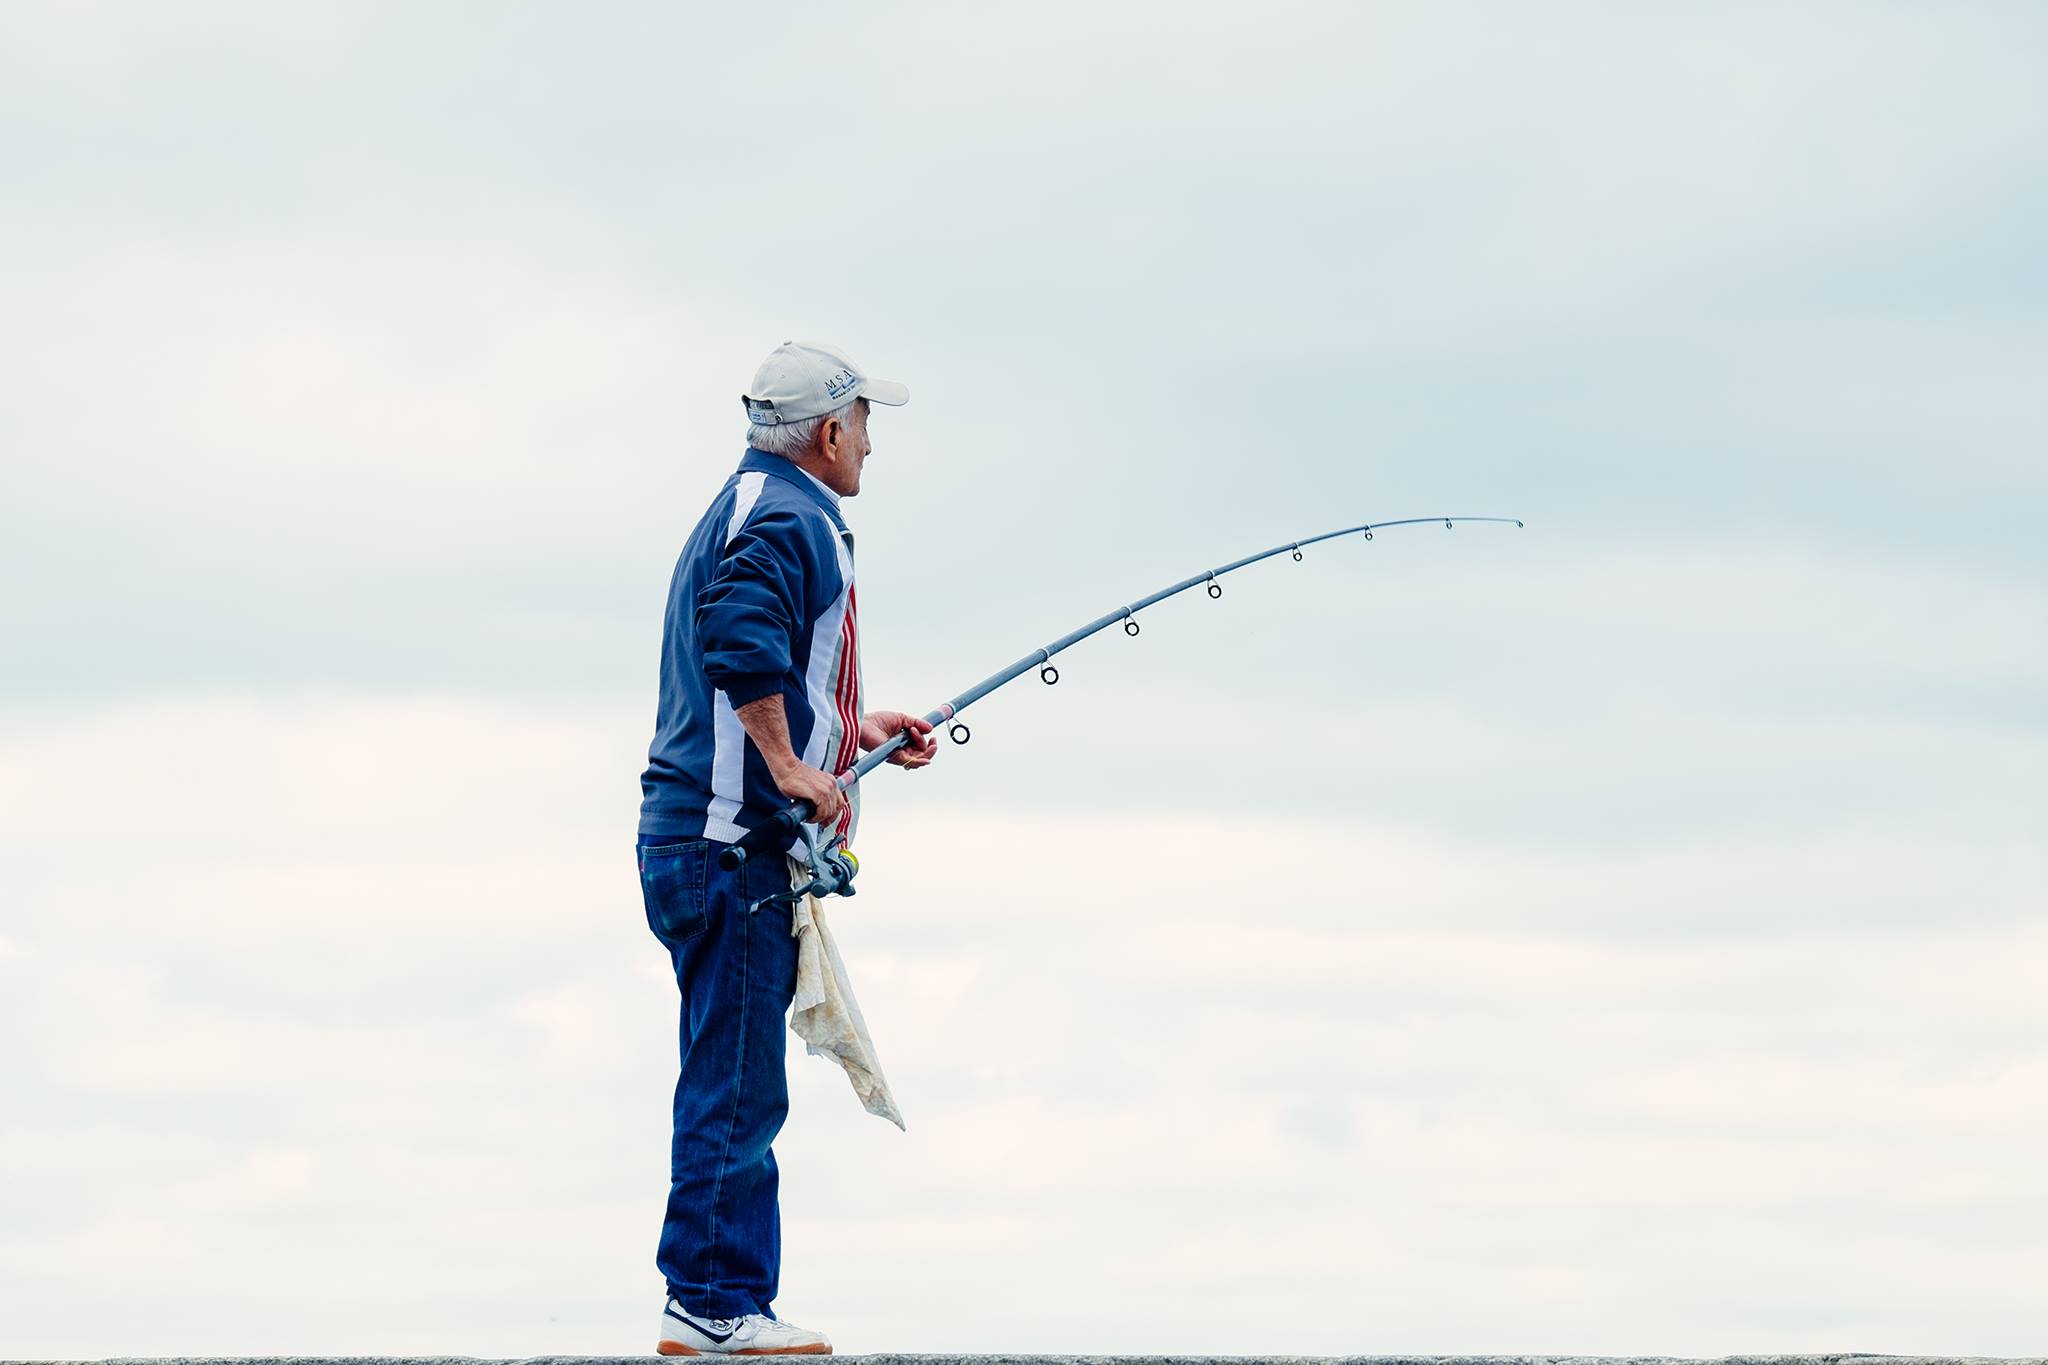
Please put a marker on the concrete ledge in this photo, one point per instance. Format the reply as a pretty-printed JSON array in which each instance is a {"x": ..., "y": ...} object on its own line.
[{"x": 1845, "y": 1359}]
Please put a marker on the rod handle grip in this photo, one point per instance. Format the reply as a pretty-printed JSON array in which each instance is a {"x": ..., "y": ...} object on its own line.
[{"x": 769, "y": 836}]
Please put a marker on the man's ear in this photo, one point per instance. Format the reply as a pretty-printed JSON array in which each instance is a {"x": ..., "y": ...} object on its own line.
[{"x": 826, "y": 443}]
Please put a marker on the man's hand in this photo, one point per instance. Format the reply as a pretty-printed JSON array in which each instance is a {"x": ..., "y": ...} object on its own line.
[
  {"x": 800, "y": 782},
  {"x": 767, "y": 724},
  {"x": 879, "y": 727}
]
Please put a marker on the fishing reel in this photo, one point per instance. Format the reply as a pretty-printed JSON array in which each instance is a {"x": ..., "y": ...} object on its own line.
[{"x": 832, "y": 867}]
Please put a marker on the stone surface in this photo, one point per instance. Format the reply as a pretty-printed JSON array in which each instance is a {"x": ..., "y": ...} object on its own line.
[{"x": 1844, "y": 1359}]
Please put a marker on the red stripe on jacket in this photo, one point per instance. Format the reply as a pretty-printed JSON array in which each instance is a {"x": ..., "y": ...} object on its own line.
[{"x": 847, "y": 690}]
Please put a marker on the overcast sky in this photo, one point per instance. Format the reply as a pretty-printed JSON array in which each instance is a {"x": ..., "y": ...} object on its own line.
[{"x": 1627, "y": 934}]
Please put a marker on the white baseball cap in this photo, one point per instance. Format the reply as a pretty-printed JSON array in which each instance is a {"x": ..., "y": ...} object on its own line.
[{"x": 801, "y": 379}]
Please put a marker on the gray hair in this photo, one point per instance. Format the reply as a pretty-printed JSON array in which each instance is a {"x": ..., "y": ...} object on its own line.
[{"x": 791, "y": 439}]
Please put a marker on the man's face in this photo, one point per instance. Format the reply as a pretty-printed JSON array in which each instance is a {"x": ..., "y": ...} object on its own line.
[{"x": 849, "y": 452}]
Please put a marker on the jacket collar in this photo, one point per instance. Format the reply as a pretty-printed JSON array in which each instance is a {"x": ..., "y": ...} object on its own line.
[{"x": 790, "y": 473}]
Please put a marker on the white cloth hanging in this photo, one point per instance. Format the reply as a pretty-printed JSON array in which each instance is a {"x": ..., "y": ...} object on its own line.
[{"x": 824, "y": 1013}]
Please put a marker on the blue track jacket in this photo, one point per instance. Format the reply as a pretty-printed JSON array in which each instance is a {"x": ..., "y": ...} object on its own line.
[{"x": 762, "y": 601}]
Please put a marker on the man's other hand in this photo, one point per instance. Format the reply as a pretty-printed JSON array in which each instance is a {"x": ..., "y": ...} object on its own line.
[
  {"x": 801, "y": 782},
  {"x": 879, "y": 727}
]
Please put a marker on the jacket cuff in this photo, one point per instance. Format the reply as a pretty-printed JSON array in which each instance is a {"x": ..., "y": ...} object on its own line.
[{"x": 741, "y": 688}]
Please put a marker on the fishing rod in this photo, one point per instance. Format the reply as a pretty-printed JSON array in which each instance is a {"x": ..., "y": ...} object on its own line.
[{"x": 832, "y": 868}]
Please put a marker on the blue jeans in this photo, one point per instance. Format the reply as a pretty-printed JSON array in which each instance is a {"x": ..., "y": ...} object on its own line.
[{"x": 721, "y": 1240}]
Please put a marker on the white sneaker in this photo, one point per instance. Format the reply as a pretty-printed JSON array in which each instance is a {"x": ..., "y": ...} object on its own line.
[{"x": 756, "y": 1334}]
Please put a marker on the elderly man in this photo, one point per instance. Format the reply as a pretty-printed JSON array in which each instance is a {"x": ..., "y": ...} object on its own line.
[{"x": 760, "y": 705}]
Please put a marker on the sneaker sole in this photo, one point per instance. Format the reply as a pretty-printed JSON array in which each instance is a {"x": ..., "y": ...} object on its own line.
[{"x": 676, "y": 1348}]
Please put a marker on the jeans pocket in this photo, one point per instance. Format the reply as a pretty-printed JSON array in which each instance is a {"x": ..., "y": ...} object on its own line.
[{"x": 672, "y": 885}]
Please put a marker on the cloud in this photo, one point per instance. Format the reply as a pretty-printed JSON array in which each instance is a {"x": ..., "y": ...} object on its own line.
[
  {"x": 381, "y": 973},
  {"x": 1617, "y": 936}
]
